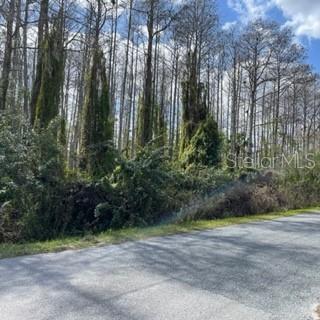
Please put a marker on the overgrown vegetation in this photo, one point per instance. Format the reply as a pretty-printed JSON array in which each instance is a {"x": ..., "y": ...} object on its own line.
[
  {"x": 32, "y": 179},
  {"x": 40, "y": 199},
  {"x": 301, "y": 185},
  {"x": 81, "y": 154}
]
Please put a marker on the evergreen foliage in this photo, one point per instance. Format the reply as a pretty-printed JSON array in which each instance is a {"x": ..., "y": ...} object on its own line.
[
  {"x": 39, "y": 201},
  {"x": 143, "y": 184},
  {"x": 302, "y": 185},
  {"x": 32, "y": 173},
  {"x": 200, "y": 138},
  {"x": 205, "y": 145},
  {"x": 170, "y": 147}
]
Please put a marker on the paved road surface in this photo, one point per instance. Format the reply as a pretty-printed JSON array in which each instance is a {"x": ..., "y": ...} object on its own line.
[{"x": 258, "y": 271}]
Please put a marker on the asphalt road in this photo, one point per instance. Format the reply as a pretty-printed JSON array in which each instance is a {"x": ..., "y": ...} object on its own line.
[{"x": 258, "y": 271}]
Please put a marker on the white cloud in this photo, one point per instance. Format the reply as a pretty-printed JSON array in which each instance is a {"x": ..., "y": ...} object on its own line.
[
  {"x": 229, "y": 25},
  {"x": 303, "y": 15},
  {"x": 250, "y": 9}
]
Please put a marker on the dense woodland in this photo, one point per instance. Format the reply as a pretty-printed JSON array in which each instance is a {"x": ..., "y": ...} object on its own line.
[{"x": 116, "y": 113}]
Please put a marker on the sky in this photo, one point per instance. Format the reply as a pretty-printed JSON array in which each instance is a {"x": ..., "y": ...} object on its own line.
[{"x": 302, "y": 15}]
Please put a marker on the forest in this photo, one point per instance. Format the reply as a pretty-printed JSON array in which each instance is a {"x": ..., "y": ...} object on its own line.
[{"x": 120, "y": 113}]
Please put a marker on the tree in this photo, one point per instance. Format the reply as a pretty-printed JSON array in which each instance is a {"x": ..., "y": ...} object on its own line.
[
  {"x": 159, "y": 18},
  {"x": 170, "y": 67},
  {"x": 194, "y": 108},
  {"x": 52, "y": 72},
  {"x": 25, "y": 60},
  {"x": 205, "y": 145},
  {"x": 285, "y": 53},
  {"x": 42, "y": 34},
  {"x": 235, "y": 87},
  {"x": 124, "y": 82},
  {"x": 4, "y": 81},
  {"x": 194, "y": 31},
  {"x": 256, "y": 52},
  {"x": 97, "y": 128}
]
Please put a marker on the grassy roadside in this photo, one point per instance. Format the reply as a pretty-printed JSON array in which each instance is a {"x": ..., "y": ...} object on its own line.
[{"x": 118, "y": 236}]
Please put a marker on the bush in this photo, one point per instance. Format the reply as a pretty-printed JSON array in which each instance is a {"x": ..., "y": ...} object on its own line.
[
  {"x": 32, "y": 173},
  {"x": 302, "y": 185},
  {"x": 10, "y": 229},
  {"x": 79, "y": 201},
  {"x": 247, "y": 196},
  {"x": 38, "y": 200},
  {"x": 205, "y": 146},
  {"x": 145, "y": 190}
]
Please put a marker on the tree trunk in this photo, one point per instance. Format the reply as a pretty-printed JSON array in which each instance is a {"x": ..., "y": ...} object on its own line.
[
  {"x": 4, "y": 83},
  {"x": 42, "y": 33}
]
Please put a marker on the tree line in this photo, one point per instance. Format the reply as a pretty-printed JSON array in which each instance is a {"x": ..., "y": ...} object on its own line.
[{"x": 125, "y": 74}]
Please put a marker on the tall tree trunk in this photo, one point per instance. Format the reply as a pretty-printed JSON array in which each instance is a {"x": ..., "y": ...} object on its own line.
[
  {"x": 4, "y": 82},
  {"x": 42, "y": 33},
  {"x": 124, "y": 82},
  {"x": 146, "y": 122},
  {"x": 133, "y": 139},
  {"x": 15, "y": 83},
  {"x": 25, "y": 61}
]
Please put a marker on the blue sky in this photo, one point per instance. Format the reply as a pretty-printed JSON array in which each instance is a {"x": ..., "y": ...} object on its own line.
[{"x": 302, "y": 15}]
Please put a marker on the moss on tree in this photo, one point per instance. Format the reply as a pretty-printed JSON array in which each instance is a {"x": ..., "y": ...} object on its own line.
[
  {"x": 48, "y": 99},
  {"x": 140, "y": 121},
  {"x": 196, "y": 124},
  {"x": 159, "y": 126},
  {"x": 97, "y": 132},
  {"x": 200, "y": 137}
]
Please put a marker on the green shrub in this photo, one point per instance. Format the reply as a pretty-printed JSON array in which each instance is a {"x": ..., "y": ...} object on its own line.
[
  {"x": 149, "y": 189},
  {"x": 252, "y": 194},
  {"x": 39, "y": 200},
  {"x": 205, "y": 146},
  {"x": 302, "y": 185},
  {"x": 32, "y": 173},
  {"x": 10, "y": 229},
  {"x": 144, "y": 190}
]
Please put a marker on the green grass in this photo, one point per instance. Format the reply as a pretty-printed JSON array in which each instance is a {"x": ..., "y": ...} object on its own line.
[{"x": 131, "y": 234}]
